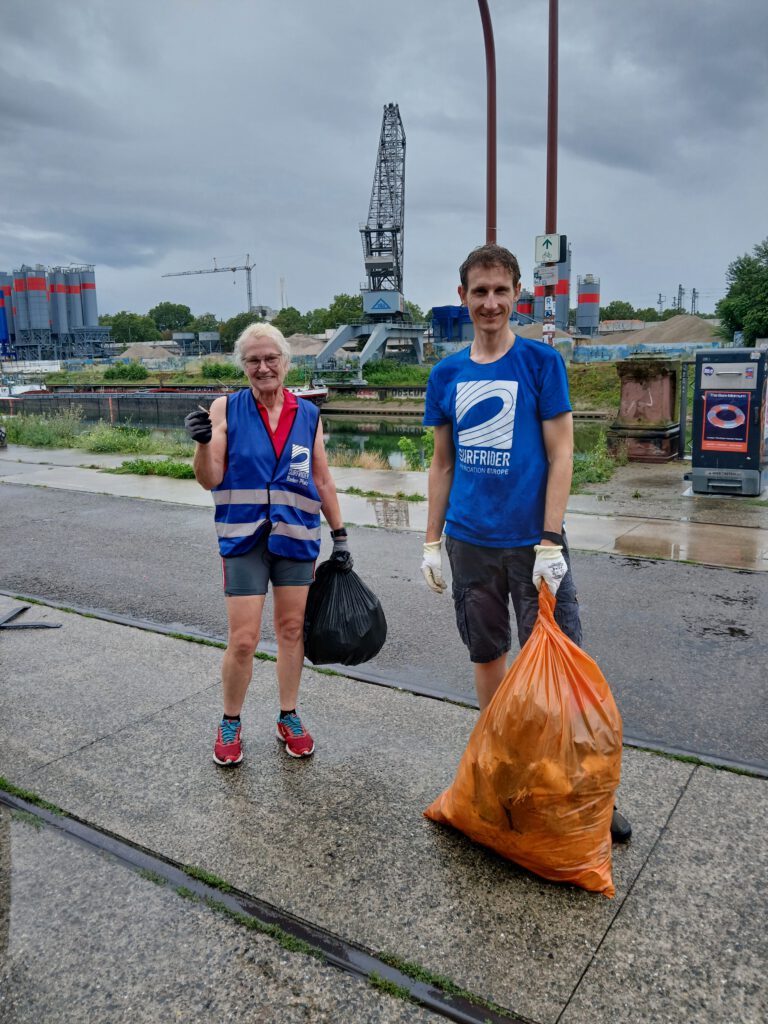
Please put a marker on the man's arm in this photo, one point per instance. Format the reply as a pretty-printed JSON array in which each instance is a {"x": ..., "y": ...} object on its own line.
[
  {"x": 439, "y": 481},
  {"x": 210, "y": 459},
  {"x": 558, "y": 442}
]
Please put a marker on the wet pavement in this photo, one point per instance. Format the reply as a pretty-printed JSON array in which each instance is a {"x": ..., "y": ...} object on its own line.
[
  {"x": 595, "y": 522},
  {"x": 114, "y": 725},
  {"x": 338, "y": 841}
]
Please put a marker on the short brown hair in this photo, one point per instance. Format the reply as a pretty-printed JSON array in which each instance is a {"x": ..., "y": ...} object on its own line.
[{"x": 490, "y": 256}]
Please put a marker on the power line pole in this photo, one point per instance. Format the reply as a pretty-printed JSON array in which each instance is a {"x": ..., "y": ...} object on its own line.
[
  {"x": 660, "y": 302},
  {"x": 680, "y": 297},
  {"x": 694, "y": 301}
]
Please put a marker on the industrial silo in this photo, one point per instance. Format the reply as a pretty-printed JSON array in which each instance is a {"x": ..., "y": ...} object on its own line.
[
  {"x": 6, "y": 286},
  {"x": 525, "y": 303},
  {"x": 20, "y": 309},
  {"x": 58, "y": 290},
  {"x": 88, "y": 297},
  {"x": 588, "y": 309},
  {"x": 37, "y": 299},
  {"x": 563, "y": 293},
  {"x": 74, "y": 304}
]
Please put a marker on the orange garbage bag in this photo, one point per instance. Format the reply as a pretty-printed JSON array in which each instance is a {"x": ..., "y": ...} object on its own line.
[{"x": 537, "y": 780}]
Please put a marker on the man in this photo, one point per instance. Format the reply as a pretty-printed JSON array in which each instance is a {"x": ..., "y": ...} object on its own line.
[{"x": 500, "y": 477}]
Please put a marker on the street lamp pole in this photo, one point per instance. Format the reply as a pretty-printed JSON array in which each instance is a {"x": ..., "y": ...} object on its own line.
[
  {"x": 548, "y": 327},
  {"x": 490, "y": 72}
]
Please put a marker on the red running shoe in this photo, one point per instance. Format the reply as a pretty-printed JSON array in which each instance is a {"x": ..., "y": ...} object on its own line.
[
  {"x": 298, "y": 742},
  {"x": 228, "y": 750}
]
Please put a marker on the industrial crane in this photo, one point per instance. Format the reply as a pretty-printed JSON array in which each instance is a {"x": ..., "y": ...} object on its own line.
[
  {"x": 384, "y": 316},
  {"x": 247, "y": 267},
  {"x": 382, "y": 234}
]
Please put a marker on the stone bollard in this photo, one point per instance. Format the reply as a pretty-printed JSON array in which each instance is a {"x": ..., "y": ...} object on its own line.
[{"x": 647, "y": 423}]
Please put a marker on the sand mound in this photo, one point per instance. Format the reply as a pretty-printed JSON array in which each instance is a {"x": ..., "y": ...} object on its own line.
[
  {"x": 677, "y": 329},
  {"x": 534, "y": 331}
]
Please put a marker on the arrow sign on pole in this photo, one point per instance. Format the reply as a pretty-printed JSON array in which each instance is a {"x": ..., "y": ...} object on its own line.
[{"x": 550, "y": 248}]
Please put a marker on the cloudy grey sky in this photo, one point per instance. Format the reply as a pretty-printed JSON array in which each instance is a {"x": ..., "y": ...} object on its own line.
[{"x": 151, "y": 136}]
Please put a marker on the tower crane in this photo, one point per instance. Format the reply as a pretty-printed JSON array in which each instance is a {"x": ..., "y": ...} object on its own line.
[{"x": 247, "y": 267}]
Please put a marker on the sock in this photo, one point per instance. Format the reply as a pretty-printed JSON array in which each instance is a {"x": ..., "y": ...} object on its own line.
[
  {"x": 284, "y": 714},
  {"x": 231, "y": 718}
]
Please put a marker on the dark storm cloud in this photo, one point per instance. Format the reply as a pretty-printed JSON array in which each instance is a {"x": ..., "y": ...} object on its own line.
[{"x": 159, "y": 135}]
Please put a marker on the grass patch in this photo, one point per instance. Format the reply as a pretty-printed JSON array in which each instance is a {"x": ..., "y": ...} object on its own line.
[
  {"x": 28, "y": 819},
  {"x": 152, "y": 876},
  {"x": 59, "y": 431},
  {"x": 399, "y": 495},
  {"x": 205, "y": 876},
  {"x": 67, "y": 430},
  {"x": 759, "y": 502},
  {"x": 391, "y": 988},
  {"x": 31, "y": 798},
  {"x": 187, "y": 894},
  {"x": 349, "y": 458},
  {"x": 594, "y": 386},
  {"x": 146, "y": 467},
  {"x": 439, "y": 981},
  {"x": 594, "y": 466},
  {"x": 282, "y": 937}
]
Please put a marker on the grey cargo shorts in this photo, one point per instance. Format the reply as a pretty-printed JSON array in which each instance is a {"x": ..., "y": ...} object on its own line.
[{"x": 484, "y": 579}]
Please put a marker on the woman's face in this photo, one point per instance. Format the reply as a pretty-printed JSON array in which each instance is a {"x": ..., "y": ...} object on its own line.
[{"x": 264, "y": 364}]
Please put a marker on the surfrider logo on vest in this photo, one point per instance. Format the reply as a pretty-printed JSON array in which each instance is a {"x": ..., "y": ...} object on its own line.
[
  {"x": 298, "y": 470},
  {"x": 484, "y": 446}
]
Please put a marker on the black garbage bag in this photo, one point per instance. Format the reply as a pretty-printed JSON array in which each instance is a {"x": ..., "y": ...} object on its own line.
[{"x": 344, "y": 622}]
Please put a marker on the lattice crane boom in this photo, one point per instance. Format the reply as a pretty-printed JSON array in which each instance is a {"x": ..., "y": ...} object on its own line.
[
  {"x": 382, "y": 234},
  {"x": 247, "y": 267}
]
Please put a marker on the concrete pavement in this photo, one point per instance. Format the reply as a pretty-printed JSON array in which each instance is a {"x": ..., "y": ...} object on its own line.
[
  {"x": 592, "y": 524},
  {"x": 115, "y": 726}
]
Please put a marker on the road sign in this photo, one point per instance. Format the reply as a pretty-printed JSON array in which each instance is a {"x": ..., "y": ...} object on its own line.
[
  {"x": 545, "y": 275},
  {"x": 548, "y": 333},
  {"x": 551, "y": 248},
  {"x": 549, "y": 305}
]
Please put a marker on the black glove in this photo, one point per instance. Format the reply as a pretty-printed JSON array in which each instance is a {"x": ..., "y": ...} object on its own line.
[
  {"x": 198, "y": 425},
  {"x": 341, "y": 556}
]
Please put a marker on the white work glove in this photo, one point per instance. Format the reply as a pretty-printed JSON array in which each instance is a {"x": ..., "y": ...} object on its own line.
[
  {"x": 432, "y": 567},
  {"x": 549, "y": 566}
]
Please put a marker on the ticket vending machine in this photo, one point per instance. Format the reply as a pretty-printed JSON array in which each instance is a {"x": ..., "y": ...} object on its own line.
[{"x": 730, "y": 422}]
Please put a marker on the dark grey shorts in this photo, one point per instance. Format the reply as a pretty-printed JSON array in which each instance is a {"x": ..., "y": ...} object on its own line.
[
  {"x": 249, "y": 575},
  {"x": 484, "y": 579}
]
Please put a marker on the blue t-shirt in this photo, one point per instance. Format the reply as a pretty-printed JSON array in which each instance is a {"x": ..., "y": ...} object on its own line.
[{"x": 496, "y": 410}]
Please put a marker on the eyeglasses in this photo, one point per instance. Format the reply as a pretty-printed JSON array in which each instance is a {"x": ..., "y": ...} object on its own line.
[{"x": 270, "y": 361}]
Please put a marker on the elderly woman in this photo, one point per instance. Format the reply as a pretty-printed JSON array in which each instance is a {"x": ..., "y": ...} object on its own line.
[{"x": 261, "y": 454}]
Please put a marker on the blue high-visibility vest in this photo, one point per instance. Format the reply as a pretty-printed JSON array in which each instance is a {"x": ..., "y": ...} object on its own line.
[{"x": 263, "y": 492}]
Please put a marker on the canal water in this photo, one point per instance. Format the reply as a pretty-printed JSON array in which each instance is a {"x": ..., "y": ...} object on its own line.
[{"x": 381, "y": 436}]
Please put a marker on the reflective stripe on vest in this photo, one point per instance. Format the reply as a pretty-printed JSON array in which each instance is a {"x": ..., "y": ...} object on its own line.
[
  {"x": 264, "y": 497},
  {"x": 239, "y": 529}
]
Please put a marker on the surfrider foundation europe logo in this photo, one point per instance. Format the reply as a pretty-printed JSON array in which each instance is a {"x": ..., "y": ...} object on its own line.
[
  {"x": 298, "y": 470},
  {"x": 484, "y": 447}
]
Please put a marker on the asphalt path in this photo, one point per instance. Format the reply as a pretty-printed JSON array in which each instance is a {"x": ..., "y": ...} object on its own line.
[{"x": 684, "y": 647}]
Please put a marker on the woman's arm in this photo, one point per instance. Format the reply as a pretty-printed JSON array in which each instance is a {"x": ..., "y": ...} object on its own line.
[
  {"x": 326, "y": 488},
  {"x": 211, "y": 459}
]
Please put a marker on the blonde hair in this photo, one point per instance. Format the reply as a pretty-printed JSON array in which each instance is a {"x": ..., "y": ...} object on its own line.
[{"x": 261, "y": 330}]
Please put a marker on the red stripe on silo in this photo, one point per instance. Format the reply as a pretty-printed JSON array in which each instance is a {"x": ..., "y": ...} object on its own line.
[
  {"x": 2, "y": 302},
  {"x": 73, "y": 289},
  {"x": 60, "y": 289},
  {"x": 538, "y": 289},
  {"x": 20, "y": 285},
  {"x": 525, "y": 307},
  {"x": 35, "y": 284},
  {"x": 6, "y": 289},
  {"x": 87, "y": 284},
  {"x": 562, "y": 287},
  {"x": 589, "y": 297}
]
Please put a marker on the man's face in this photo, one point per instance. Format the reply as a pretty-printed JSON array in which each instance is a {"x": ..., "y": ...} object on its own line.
[{"x": 489, "y": 296}]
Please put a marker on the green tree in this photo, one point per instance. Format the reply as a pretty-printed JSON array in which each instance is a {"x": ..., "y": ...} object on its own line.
[
  {"x": 232, "y": 328},
  {"x": 415, "y": 312},
  {"x": 170, "y": 316},
  {"x": 617, "y": 310},
  {"x": 649, "y": 314},
  {"x": 204, "y": 322},
  {"x": 290, "y": 321},
  {"x": 128, "y": 328},
  {"x": 669, "y": 313},
  {"x": 745, "y": 306},
  {"x": 317, "y": 320},
  {"x": 344, "y": 309}
]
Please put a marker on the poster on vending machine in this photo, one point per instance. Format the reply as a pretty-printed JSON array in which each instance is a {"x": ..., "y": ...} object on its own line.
[{"x": 726, "y": 421}]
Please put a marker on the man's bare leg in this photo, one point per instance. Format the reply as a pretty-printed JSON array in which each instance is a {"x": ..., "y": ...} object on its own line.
[{"x": 488, "y": 675}]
